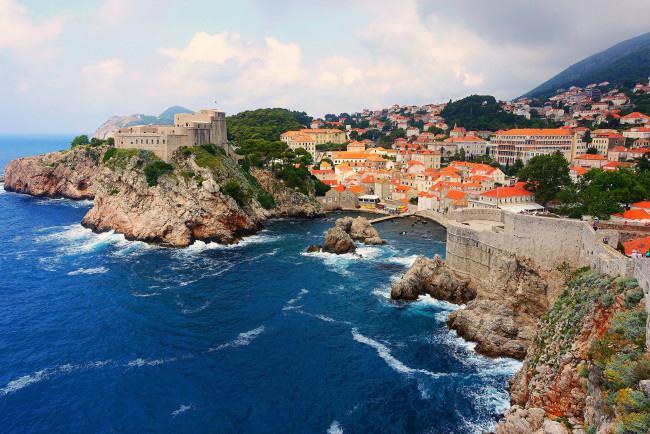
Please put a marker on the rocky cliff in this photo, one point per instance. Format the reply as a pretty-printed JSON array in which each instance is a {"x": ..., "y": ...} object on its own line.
[
  {"x": 584, "y": 371},
  {"x": 68, "y": 174},
  {"x": 501, "y": 308},
  {"x": 201, "y": 195}
]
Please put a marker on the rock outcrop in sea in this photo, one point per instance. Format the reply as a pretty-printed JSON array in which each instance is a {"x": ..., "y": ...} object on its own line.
[
  {"x": 202, "y": 195},
  {"x": 501, "y": 310},
  {"x": 340, "y": 238}
]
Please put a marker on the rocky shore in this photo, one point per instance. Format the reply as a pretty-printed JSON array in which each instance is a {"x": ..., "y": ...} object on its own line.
[
  {"x": 501, "y": 309},
  {"x": 583, "y": 348},
  {"x": 340, "y": 239},
  {"x": 136, "y": 194}
]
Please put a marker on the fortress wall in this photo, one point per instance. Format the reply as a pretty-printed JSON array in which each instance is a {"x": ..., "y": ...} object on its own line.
[{"x": 463, "y": 215}]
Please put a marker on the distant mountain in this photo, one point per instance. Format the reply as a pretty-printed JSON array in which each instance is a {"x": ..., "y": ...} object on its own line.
[
  {"x": 625, "y": 63},
  {"x": 115, "y": 122}
]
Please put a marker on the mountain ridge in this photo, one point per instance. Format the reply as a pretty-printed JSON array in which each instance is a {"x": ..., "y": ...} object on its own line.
[
  {"x": 115, "y": 122},
  {"x": 626, "y": 63}
]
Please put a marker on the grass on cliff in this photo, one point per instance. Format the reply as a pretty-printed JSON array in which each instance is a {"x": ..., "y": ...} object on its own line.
[
  {"x": 617, "y": 358},
  {"x": 235, "y": 181}
]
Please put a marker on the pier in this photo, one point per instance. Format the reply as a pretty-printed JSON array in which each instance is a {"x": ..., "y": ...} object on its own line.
[{"x": 429, "y": 215}]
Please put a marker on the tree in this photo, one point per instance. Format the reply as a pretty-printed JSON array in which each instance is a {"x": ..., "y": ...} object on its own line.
[
  {"x": 517, "y": 166},
  {"x": 592, "y": 151},
  {"x": 354, "y": 135},
  {"x": 643, "y": 163},
  {"x": 79, "y": 140},
  {"x": 609, "y": 192},
  {"x": 397, "y": 134},
  {"x": 587, "y": 137},
  {"x": 545, "y": 176}
]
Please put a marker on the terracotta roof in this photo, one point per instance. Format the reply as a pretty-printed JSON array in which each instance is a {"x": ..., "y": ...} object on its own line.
[
  {"x": 507, "y": 192},
  {"x": 591, "y": 157},
  {"x": 339, "y": 188},
  {"x": 535, "y": 132},
  {"x": 644, "y": 204},
  {"x": 455, "y": 194},
  {"x": 642, "y": 244},
  {"x": 634, "y": 214},
  {"x": 357, "y": 189},
  {"x": 635, "y": 115}
]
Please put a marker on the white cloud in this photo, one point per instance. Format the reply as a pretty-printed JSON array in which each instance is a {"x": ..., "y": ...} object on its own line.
[
  {"x": 101, "y": 76},
  {"x": 19, "y": 32}
]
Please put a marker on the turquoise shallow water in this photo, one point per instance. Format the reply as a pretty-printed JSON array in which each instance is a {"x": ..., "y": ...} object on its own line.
[{"x": 102, "y": 334}]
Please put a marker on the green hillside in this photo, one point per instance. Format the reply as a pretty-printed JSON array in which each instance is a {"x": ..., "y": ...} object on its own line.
[{"x": 625, "y": 63}]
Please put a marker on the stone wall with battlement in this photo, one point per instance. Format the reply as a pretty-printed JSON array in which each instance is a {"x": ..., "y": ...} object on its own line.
[
  {"x": 206, "y": 126},
  {"x": 476, "y": 238}
]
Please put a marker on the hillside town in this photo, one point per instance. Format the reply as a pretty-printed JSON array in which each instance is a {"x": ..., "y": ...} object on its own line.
[{"x": 408, "y": 158}]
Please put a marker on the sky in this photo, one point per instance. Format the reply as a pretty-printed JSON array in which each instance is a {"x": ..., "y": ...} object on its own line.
[{"x": 66, "y": 66}]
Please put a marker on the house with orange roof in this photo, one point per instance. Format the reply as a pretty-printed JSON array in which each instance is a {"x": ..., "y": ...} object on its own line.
[
  {"x": 635, "y": 118},
  {"x": 641, "y": 245},
  {"x": 615, "y": 165},
  {"x": 604, "y": 141},
  {"x": 404, "y": 192},
  {"x": 590, "y": 161},
  {"x": 515, "y": 199},
  {"x": 356, "y": 147},
  {"x": 637, "y": 133},
  {"x": 457, "y": 132},
  {"x": 384, "y": 189},
  {"x": 576, "y": 172},
  {"x": 621, "y": 153},
  {"x": 339, "y": 197},
  {"x": 324, "y": 174},
  {"x": 635, "y": 215},
  {"x": 645, "y": 205},
  {"x": 525, "y": 143},
  {"x": 428, "y": 201}
]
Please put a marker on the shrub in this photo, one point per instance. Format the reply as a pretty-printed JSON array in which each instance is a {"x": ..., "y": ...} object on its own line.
[
  {"x": 607, "y": 300},
  {"x": 630, "y": 324},
  {"x": 633, "y": 297},
  {"x": 109, "y": 154},
  {"x": 154, "y": 170},
  {"x": 630, "y": 401},
  {"x": 234, "y": 190},
  {"x": 114, "y": 192},
  {"x": 210, "y": 148},
  {"x": 266, "y": 200}
]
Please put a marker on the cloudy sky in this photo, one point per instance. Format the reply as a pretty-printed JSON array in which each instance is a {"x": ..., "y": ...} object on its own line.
[{"x": 67, "y": 65}]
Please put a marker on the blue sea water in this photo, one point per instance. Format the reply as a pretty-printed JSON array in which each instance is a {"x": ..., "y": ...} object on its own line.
[{"x": 101, "y": 334}]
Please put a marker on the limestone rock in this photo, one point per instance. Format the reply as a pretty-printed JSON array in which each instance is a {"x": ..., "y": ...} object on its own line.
[
  {"x": 431, "y": 276},
  {"x": 312, "y": 248},
  {"x": 180, "y": 209},
  {"x": 69, "y": 174},
  {"x": 338, "y": 241},
  {"x": 360, "y": 229},
  {"x": 553, "y": 427},
  {"x": 644, "y": 386},
  {"x": 521, "y": 421}
]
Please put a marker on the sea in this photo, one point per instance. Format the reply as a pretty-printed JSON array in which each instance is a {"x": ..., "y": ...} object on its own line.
[{"x": 101, "y": 334}]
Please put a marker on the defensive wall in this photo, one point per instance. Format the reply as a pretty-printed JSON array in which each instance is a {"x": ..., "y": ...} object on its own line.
[
  {"x": 476, "y": 238},
  {"x": 206, "y": 126}
]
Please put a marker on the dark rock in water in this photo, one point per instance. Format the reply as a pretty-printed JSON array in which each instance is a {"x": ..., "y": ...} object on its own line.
[
  {"x": 338, "y": 241},
  {"x": 431, "y": 276},
  {"x": 312, "y": 248}
]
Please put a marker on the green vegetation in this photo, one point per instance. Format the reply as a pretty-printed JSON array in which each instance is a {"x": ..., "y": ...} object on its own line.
[
  {"x": 265, "y": 199},
  {"x": 234, "y": 190},
  {"x": 601, "y": 193},
  {"x": 264, "y": 124},
  {"x": 79, "y": 140},
  {"x": 483, "y": 112},
  {"x": 156, "y": 169},
  {"x": 545, "y": 176},
  {"x": 625, "y": 63}
]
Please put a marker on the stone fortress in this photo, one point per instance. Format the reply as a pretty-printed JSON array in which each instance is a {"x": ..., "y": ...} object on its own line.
[
  {"x": 477, "y": 237},
  {"x": 205, "y": 126}
]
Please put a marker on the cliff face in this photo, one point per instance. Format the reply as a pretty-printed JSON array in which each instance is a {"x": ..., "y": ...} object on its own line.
[
  {"x": 501, "y": 309},
  {"x": 200, "y": 196},
  {"x": 68, "y": 174},
  {"x": 584, "y": 366}
]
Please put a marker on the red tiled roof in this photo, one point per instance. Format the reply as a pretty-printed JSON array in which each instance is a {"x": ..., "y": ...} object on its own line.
[
  {"x": 455, "y": 194},
  {"x": 644, "y": 204},
  {"x": 507, "y": 192},
  {"x": 634, "y": 214},
  {"x": 642, "y": 245}
]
